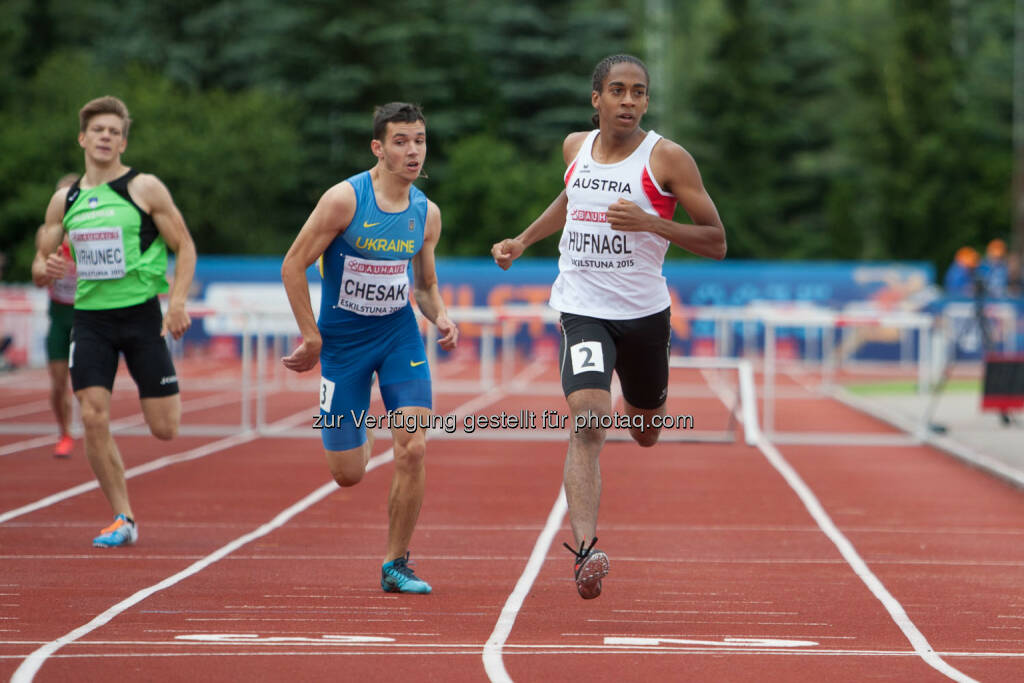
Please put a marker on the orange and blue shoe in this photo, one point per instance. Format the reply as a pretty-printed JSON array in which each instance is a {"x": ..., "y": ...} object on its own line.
[
  {"x": 64, "y": 447},
  {"x": 590, "y": 567},
  {"x": 123, "y": 531},
  {"x": 397, "y": 577}
]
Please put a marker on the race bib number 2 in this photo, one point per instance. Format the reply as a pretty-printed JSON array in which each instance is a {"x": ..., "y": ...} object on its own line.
[
  {"x": 586, "y": 357},
  {"x": 99, "y": 253}
]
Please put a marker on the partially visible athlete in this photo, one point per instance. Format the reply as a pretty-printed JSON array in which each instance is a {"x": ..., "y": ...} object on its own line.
[{"x": 58, "y": 337}]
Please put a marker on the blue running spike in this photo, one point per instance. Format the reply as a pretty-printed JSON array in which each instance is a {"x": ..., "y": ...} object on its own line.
[
  {"x": 397, "y": 577},
  {"x": 122, "y": 532}
]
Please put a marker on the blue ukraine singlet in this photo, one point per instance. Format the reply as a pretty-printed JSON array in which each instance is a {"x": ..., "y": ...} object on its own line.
[
  {"x": 366, "y": 319},
  {"x": 365, "y": 268}
]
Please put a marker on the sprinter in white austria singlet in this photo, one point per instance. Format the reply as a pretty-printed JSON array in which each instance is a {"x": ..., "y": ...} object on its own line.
[
  {"x": 622, "y": 185},
  {"x": 602, "y": 272}
]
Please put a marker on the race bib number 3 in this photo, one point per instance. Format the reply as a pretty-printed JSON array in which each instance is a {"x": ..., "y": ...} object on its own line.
[
  {"x": 99, "y": 253},
  {"x": 326, "y": 394},
  {"x": 373, "y": 287},
  {"x": 586, "y": 357}
]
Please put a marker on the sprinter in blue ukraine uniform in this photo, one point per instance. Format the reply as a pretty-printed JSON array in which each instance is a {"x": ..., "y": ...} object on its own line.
[{"x": 367, "y": 233}]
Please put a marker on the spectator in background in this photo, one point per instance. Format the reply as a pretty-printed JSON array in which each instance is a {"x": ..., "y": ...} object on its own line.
[
  {"x": 992, "y": 271},
  {"x": 1014, "y": 277},
  {"x": 959, "y": 280}
]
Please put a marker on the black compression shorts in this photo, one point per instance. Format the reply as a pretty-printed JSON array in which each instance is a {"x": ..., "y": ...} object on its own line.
[
  {"x": 636, "y": 349},
  {"x": 98, "y": 337}
]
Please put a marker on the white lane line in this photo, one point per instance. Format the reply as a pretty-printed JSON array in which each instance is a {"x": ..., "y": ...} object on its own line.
[
  {"x": 493, "y": 664},
  {"x": 189, "y": 406},
  {"x": 40, "y": 406},
  {"x": 192, "y": 454},
  {"x": 159, "y": 463},
  {"x": 447, "y": 649},
  {"x": 28, "y": 668},
  {"x": 857, "y": 563},
  {"x": 31, "y": 665},
  {"x": 859, "y": 566}
]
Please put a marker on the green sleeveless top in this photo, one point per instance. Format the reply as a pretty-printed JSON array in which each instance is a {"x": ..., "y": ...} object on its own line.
[{"x": 119, "y": 255}]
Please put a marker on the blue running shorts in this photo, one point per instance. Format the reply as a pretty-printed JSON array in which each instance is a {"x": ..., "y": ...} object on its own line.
[{"x": 395, "y": 351}]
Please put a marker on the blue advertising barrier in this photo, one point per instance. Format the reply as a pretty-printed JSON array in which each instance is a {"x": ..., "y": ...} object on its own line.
[
  {"x": 479, "y": 282},
  {"x": 695, "y": 283}
]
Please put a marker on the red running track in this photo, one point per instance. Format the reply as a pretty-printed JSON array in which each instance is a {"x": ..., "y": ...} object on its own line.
[{"x": 728, "y": 562}]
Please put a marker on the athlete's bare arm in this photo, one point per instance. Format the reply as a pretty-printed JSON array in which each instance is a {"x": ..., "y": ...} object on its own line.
[
  {"x": 48, "y": 265},
  {"x": 329, "y": 218},
  {"x": 154, "y": 198},
  {"x": 676, "y": 172},
  {"x": 428, "y": 297},
  {"x": 548, "y": 223}
]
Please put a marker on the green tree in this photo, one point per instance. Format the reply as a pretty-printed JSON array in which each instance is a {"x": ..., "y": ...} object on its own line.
[
  {"x": 533, "y": 64},
  {"x": 762, "y": 136},
  {"x": 836, "y": 129},
  {"x": 926, "y": 137},
  {"x": 483, "y": 208},
  {"x": 231, "y": 160},
  {"x": 540, "y": 58}
]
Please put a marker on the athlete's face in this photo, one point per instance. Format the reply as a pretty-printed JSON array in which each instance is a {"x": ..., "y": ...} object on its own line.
[
  {"x": 403, "y": 149},
  {"x": 623, "y": 101},
  {"x": 103, "y": 138}
]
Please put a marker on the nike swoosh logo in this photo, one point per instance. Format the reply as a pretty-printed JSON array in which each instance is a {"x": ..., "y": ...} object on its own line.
[
  {"x": 414, "y": 363},
  {"x": 370, "y": 225}
]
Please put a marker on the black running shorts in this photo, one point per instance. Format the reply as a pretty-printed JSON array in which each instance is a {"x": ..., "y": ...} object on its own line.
[
  {"x": 99, "y": 337},
  {"x": 636, "y": 349}
]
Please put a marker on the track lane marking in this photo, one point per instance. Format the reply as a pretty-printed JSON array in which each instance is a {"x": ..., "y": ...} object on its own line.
[
  {"x": 133, "y": 420},
  {"x": 27, "y": 670},
  {"x": 492, "y": 655},
  {"x": 817, "y": 511},
  {"x": 474, "y": 648},
  {"x": 153, "y": 465}
]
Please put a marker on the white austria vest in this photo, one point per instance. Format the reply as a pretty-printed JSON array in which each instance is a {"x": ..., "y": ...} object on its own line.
[{"x": 606, "y": 273}]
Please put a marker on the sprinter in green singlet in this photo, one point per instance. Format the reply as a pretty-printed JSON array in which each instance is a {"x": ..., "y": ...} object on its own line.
[{"x": 120, "y": 224}]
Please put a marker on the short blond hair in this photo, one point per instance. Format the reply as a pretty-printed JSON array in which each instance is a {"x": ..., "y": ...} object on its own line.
[{"x": 107, "y": 104}]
